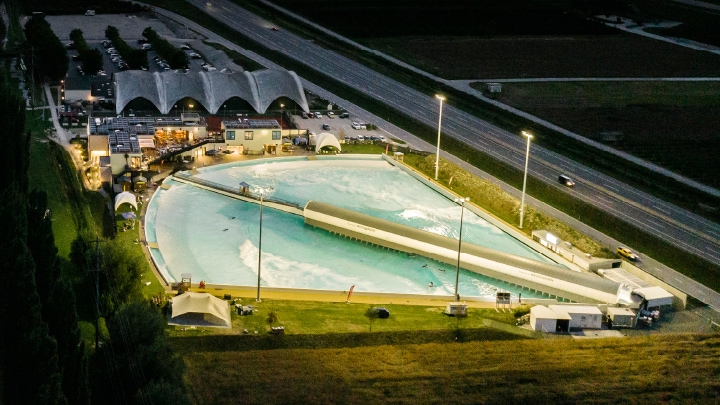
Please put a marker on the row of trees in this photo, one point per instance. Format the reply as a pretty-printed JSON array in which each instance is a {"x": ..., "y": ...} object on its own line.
[
  {"x": 135, "y": 58},
  {"x": 92, "y": 59},
  {"x": 176, "y": 58},
  {"x": 45, "y": 53},
  {"x": 43, "y": 357}
]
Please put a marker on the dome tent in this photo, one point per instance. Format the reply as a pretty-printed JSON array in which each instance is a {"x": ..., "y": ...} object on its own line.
[
  {"x": 125, "y": 197},
  {"x": 326, "y": 140}
]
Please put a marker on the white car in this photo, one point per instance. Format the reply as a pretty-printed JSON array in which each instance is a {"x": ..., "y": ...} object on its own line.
[
  {"x": 318, "y": 115},
  {"x": 330, "y": 114},
  {"x": 357, "y": 125}
]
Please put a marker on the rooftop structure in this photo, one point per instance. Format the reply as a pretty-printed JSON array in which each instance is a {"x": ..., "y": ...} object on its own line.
[{"x": 210, "y": 89}]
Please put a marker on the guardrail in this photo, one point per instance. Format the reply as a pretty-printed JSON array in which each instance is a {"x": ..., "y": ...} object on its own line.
[{"x": 232, "y": 190}]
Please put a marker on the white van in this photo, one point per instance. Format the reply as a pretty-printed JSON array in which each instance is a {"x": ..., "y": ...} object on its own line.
[{"x": 90, "y": 12}]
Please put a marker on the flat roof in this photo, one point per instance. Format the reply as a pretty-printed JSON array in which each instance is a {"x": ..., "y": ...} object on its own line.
[
  {"x": 653, "y": 293},
  {"x": 544, "y": 312},
  {"x": 577, "y": 309},
  {"x": 620, "y": 311}
]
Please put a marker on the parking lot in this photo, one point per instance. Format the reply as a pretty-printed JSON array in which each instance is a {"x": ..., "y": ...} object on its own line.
[{"x": 340, "y": 127}]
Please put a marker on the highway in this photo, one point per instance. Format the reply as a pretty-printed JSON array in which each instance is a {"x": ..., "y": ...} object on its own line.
[{"x": 678, "y": 226}]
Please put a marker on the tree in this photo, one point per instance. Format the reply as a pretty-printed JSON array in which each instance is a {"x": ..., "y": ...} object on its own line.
[
  {"x": 372, "y": 314},
  {"x": 121, "y": 267},
  {"x": 47, "y": 54},
  {"x": 147, "y": 367},
  {"x": 272, "y": 318},
  {"x": 28, "y": 357}
]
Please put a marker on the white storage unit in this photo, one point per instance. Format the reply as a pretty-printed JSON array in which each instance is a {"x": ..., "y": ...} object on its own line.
[
  {"x": 621, "y": 317},
  {"x": 582, "y": 316},
  {"x": 544, "y": 319},
  {"x": 655, "y": 296}
]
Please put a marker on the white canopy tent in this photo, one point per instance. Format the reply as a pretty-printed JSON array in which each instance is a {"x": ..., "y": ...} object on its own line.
[
  {"x": 326, "y": 139},
  {"x": 125, "y": 197},
  {"x": 200, "y": 309}
]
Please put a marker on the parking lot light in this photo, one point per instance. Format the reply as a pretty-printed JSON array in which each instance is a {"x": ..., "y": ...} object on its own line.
[
  {"x": 437, "y": 155},
  {"x": 527, "y": 158}
]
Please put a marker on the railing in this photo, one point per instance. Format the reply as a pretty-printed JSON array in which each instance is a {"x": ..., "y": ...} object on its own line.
[{"x": 232, "y": 190}]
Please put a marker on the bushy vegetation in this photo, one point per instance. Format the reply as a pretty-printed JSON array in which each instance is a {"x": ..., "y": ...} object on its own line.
[
  {"x": 176, "y": 58},
  {"x": 91, "y": 58},
  {"x": 44, "y": 53},
  {"x": 135, "y": 58}
]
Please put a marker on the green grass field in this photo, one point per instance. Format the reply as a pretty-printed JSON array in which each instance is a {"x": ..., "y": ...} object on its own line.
[{"x": 667, "y": 369}]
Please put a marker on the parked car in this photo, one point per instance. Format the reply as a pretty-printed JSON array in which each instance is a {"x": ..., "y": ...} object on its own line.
[
  {"x": 330, "y": 114},
  {"x": 344, "y": 115},
  {"x": 318, "y": 115},
  {"x": 627, "y": 253},
  {"x": 357, "y": 125},
  {"x": 311, "y": 115},
  {"x": 304, "y": 114},
  {"x": 185, "y": 47},
  {"x": 326, "y": 127},
  {"x": 566, "y": 180}
]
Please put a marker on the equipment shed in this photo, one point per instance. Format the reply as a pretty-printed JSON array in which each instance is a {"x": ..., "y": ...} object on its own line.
[
  {"x": 620, "y": 317},
  {"x": 582, "y": 316},
  {"x": 655, "y": 297},
  {"x": 544, "y": 319}
]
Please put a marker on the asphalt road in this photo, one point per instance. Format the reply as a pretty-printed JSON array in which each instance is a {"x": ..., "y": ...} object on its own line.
[
  {"x": 478, "y": 133},
  {"x": 671, "y": 223}
]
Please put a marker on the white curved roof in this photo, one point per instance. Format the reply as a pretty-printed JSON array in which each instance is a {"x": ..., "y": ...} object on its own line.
[
  {"x": 210, "y": 89},
  {"x": 125, "y": 197},
  {"x": 326, "y": 139}
]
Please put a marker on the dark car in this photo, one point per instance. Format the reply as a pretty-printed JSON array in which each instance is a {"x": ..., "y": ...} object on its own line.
[
  {"x": 326, "y": 127},
  {"x": 382, "y": 312},
  {"x": 344, "y": 115}
]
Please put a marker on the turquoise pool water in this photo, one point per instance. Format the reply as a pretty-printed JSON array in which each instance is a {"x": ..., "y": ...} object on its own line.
[{"x": 216, "y": 238}]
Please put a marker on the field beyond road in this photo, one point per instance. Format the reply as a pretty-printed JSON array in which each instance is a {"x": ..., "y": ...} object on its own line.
[{"x": 652, "y": 370}]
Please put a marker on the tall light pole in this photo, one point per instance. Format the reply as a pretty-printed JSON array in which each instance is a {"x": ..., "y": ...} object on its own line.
[
  {"x": 527, "y": 158},
  {"x": 282, "y": 110},
  {"x": 462, "y": 202},
  {"x": 260, "y": 245},
  {"x": 437, "y": 155}
]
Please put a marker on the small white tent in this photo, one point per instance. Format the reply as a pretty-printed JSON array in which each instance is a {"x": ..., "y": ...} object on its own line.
[
  {"x": 125, "y": 197},
  {"x": 326, "y": 139},
  {"x": 200, "y": 309}
]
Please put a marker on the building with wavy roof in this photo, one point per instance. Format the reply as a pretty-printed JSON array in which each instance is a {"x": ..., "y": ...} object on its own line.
[{"x": 210, "y": 89}]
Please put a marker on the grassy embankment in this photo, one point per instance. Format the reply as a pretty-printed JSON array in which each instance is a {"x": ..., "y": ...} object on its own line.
[{"x": 659, "y": 369}]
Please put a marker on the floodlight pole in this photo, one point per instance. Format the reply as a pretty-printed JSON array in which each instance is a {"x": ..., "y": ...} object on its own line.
[
  {"x": 527, "y": 158},
  {"x": 260, "y": 246},
  {"x": 462, "y": 202},
  {"x": 437, "y": 155}
]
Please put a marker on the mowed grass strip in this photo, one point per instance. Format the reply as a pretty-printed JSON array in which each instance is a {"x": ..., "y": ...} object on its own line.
[
  {"x": 314, "y": 318},
  {"x": 667, "y": 369}
]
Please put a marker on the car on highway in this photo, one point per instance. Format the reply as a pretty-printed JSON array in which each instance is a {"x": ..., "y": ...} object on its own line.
[
  {"x": 275, "y": 29},
  {"x": 185, "y": 47},
  {"x": 627, "y": 253},
  {"x": 566, "y": 180}
]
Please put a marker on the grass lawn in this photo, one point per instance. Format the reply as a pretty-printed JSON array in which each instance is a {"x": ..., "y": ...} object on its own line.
[
  {"x": 46, "y": 174},
  {"x": 666, "y": 369},
  {"x": 316, "y": 318}
]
